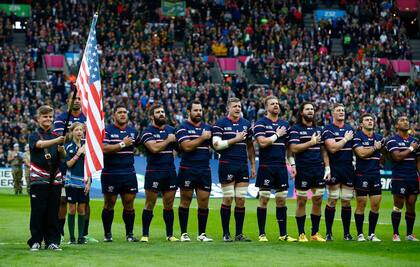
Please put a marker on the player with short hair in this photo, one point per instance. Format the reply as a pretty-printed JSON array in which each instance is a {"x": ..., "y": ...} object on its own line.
[
  {"x": 118, "y": 176},
  {"x": 159, "y": 140},
  {"x": 338, "y": 141},
  {"x": 272, "y": 136},
  {"x": 405, "y": 156},
  {"x": 367, "y": 145},
  {"x": 193, "y": 137},
  {"x": 312, "y": 169},
  {"x": 232, "y": 138}
]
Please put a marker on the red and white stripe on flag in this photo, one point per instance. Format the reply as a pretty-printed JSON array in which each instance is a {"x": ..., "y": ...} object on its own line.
[{"x": 88, "y": 84}]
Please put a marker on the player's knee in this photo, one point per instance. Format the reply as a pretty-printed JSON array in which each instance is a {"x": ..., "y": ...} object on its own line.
[
  {"x": 332, "y": 202},
  {"x": 72, "y": 209},
  {"x": 241, "y": 191},
  {"x": 333, "y": 194},
  {"x": 240, "y": 202},
  {"x": 317, "y": 201},
  {"x": 281, "y": 198},
  {"x": 301, "y": 202},
  {"x": 345, "y": 203},
  {"x": 319, "y": 192},
  {"x": 301, "y": 193},
  {"x": 228, "y": 191},
  {"x": 347, "y": 194}
]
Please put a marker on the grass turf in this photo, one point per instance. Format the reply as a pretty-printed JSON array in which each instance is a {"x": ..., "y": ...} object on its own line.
[{"x": 14, "y": 231}]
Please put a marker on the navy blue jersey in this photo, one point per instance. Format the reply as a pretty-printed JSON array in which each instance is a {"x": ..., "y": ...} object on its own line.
[
  {"x": 74, "y": 175},
  {"x": 226, "y": 129},
  {"x": 345, "y": 154},
  {"x": 164, "y": 160},
  {"x": 60, "y": 120},
  {"x": 200, "y": 156},
  {"x": 40, "y": 170},
  {"x": 311, "y": 157},
  {"x": 368, "y": 166},
  {"x": 407, "y": 168},
  {"x": 121, "y": 162},
  {"x": 274, "y": 154}
]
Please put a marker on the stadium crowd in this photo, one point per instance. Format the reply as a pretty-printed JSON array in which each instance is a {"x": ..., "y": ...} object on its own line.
[{"x": 141, "y": 63}]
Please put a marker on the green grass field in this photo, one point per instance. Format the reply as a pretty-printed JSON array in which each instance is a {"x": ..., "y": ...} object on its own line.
[{"x": 14, "y": 231}]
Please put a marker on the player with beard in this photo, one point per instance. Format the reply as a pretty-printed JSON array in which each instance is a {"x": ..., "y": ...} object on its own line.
[
  {"x": 232, "y": 138},
  {"x": 194, "y": 172},
  {"x": 272, "y": 136},
  {"x": 312, "y": 169},
  {"x": 118, "y": 176},
  {"x": 405, "y": 156},
  {"x": 338, "y": 141},
  {"x": 367, "y": 145},
  {"x": 159, "y": 140}
]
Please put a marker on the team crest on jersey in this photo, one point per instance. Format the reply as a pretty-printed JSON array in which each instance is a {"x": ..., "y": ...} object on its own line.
[
  {"x": 191, "y": 131},
  {"x": 245, "y": 128},
  {"x": 365, "y": 184},
  {"x": 132, "y": 135},
  {"x": 337, "y": 134},
  {"x": 114, "y": 136},
  {"x": 266, "y": 182},
  {"x": 155, "y": 184},
  {"x": 156, "y": 135},
  {"x": 365, "y": 143},
  {"x": 401, "y": 144},
  {"x": 269, "y": 127},
  {"x": 303, "y": 133},
  {"x": 227, "y": 128}
]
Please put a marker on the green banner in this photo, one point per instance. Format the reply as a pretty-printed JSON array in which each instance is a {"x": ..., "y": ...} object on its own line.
[
  {"x": 173, "y": 8},
  {"x": 18, "y": 10}
]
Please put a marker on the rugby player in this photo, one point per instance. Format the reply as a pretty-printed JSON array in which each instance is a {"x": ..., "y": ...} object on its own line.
[
  {"x": 193, "y": 137},
  {"x": 405, "y": 156},
  {"x": 159, "y": 140},
  {"x": 367, "y": 145},
  {"x": 272, "y": 136},
  {"x": 232, "y": 138},
  {"x": 338, "y": 141},
  {"x": 118, "y": 176},
  {"x": 312, "y": 169}
]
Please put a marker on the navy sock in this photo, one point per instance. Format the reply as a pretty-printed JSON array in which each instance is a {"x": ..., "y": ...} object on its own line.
[
  {"x": 168, "y": 217},
  {"x": 81, "y": 220},
  {"x": 396, "y": 219},
  {"x": 86, "y": 228},
  {"x": 183, "y": 218},
  {"x": 71, "y": 222},
  {"x": 409, "y": 219},
  {"x": 128, "y": 218},
  {"x": 281, "y": 216},
  {"x": 225, "y": 215},
  {"x": 329, "y": 218},
  {"x": 315, "y": 219},
  {"x": 373, "y": 220},
  {"x": 146, "y": 219},
  {"x": 261, "y": 217},
  {"x": 107, "y": 218},
  {"x": 202, "y": 215},
  {"x": 239, "y": 219},
  {"x": 301, "y": 224},
  {"x": 359, "y": 218},
  {"x": 346, "y": 218}
]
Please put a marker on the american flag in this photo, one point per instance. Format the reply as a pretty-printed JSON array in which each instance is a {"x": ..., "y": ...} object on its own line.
[{"x": 88, "y": 84}]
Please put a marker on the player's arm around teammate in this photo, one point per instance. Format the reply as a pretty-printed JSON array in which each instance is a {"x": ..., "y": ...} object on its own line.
[
  {"x": 404, "y": 152},
  {"x": 367, "y": 146},
  {"x": 159, "y": 139},
  {"x": 232, "y": 138}
]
